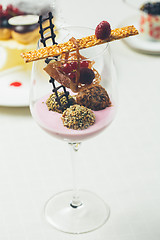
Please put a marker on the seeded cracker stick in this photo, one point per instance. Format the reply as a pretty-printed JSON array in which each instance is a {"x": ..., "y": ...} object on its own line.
[{"x": 85, "y": 42}]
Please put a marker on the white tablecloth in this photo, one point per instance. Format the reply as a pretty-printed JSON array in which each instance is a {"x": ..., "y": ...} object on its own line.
[{"x": 122, "y": 165}]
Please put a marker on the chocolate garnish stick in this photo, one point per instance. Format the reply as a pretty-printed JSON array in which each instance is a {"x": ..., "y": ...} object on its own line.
[{"x": 43, "y": 40}]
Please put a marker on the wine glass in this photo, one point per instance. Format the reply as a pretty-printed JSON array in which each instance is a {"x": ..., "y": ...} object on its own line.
[{"x": 75, "y": 211}]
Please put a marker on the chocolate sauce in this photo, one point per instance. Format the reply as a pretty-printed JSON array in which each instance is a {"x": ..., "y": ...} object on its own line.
[
  {"x": 4, "y": 23},
  {"x": 25, "y": 28}
]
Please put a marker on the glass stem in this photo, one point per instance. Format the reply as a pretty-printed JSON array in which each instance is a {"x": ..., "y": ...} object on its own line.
[{"x": 74, "y": 147}]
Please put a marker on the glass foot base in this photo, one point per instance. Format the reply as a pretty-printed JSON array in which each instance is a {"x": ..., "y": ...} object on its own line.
[{"x": 89, "y": 216}]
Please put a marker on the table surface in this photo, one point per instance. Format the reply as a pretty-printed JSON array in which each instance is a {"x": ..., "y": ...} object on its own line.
[{"x": 122, "y": 165}]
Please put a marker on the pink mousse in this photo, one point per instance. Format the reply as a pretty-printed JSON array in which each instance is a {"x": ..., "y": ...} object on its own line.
[{"x": 52, "y": 123}]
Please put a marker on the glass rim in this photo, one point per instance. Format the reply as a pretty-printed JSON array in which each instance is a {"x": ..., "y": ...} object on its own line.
[{"x": 106, "y": 45}]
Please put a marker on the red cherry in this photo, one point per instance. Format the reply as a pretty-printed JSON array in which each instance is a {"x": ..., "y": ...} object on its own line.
[
  {"x": 74, "y": 65},
  {"x": 15, "y": 10},
  {"x": 9, "y": 7},
  {"x": 5, "y": 14},
  {"x": 86, "y": 75},
  {"x": 84, "y": 64},
  {"x": 103, "y": 30},
  {"x": 67, "y": 68},
  {"x": 1, "y": 8},
  {"x": 72, "y": 76}
]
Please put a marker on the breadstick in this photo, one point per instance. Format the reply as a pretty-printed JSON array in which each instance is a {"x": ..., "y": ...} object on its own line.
[{"x": 89, "y": 41}]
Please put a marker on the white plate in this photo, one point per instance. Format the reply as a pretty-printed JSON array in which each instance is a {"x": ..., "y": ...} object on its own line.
[
  {"x": 138, "y": 42},
  {"x": 15, "y": 96}
]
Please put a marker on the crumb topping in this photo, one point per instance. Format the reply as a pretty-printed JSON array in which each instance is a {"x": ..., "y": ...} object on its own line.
[
  {"x": 53, "y": 105},
  {"x": 78, "y": 117}
]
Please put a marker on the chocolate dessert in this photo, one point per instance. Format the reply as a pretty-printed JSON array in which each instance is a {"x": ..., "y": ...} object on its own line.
[
  {"x": 23, "y": 33},
  {"x": 5, "y": 14},
  {"x": 24, "y": 29},
  {"x": 70, "y": 69},
  {"x": 95, "y": 98}
]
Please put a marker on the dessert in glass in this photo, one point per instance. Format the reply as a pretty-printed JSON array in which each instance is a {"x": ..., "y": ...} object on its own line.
[
  {"x": 73, "y": 98},
  {"x": 149, "y": 18}
]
